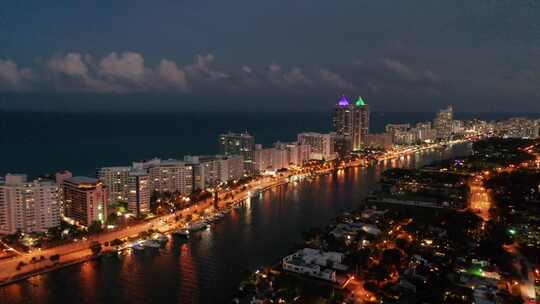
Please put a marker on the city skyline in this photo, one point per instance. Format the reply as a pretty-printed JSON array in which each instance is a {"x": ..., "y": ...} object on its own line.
[
  {"x": 177, "y": 56},
  {"x": 285, "y": 151}
]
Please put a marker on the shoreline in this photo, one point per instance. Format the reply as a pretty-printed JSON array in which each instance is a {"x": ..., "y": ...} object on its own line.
[
  {"x": 223, "y": 204},
  {"x": 71, "y": 262}
]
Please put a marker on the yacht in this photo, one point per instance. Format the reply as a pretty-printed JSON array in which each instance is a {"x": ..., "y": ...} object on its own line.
[
  {"x": 151, "y": 244},
  {"x": 137, "y": 246}
]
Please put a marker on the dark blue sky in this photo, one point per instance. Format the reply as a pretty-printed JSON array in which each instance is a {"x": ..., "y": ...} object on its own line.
[{"x": 281, "y": 54}]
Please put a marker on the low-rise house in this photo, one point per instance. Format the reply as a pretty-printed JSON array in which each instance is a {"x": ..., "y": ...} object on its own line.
[{"x": 315, "y": 263}]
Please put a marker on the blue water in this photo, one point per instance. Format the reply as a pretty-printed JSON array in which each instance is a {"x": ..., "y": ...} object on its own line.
[{"x": 43, "y": 143}]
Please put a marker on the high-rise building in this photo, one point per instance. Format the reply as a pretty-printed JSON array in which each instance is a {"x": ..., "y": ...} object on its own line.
[
  {"x": 424, "y": 132},
  {"x": 351, "y": 121},
  {"x": 296, "y": 153},
  {"x": 116, "y": 179},
  {"x": 281, "y": 155},
  {"x": 361, "y": 125},
  {"x": 129, "y": 185},
  {"x": 140, "y": 191},
  {"x": 171, "y": 176},
  {"x": 210, "y": 171},
  {"x": 86, "y": 200},
  {"x": 444, "y": 122},
  {"x": 28, "y": 206},
  {"x": 242, "y": 144},
  {"x": 59, "y": 178},
  {"x": 322, "y": 145},
  {"x": 263, "y": 159},
  {"x": 380, "y": 141}
]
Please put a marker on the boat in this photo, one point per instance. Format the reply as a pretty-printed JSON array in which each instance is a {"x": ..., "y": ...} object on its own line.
[
  {"x": 151, "y": 244},
  {"x": 196, "y": 226},
  {"x": 182, "y": 232},
  {"x": 137, "y": 246},
  {"x": 160, "y": 237}
]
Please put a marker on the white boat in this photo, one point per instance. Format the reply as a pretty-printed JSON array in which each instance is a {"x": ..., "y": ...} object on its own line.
[
  {"x": 137, "y": 246},
  {"x": 151, "y": 244}
]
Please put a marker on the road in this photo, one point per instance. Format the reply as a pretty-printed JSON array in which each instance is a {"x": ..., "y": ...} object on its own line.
[
  {"x": 79, "y": 250},
  {"x": 479, "y": 199}
]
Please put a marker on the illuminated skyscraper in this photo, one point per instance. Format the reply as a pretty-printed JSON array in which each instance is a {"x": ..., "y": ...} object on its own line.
[
  {"x": 86, "y": 200},
  {"x": 350, "y": 121},
  {"x": 28, "y": 206},
  {"x": 444, "y": 123},
  {"x": 242, "y": 144}
]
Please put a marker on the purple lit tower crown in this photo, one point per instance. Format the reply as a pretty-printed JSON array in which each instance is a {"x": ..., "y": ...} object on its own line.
[{"x": 343, "y": 102}]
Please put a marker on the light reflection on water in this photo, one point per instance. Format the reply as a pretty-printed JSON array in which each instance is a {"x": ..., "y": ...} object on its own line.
[{"x": 208, "y": 267}]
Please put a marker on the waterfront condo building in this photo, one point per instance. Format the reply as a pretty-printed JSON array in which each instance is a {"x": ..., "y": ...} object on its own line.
[
  {"x": 28, "y": 206},
  {"x": 86, "y": 200},
  {"x": 139, "y": 192},
  {"x": 322, "y": 145},
  {"x": 59, "y": 178},
  {"x": 281, "y": 155},
  {"x": 171, "y": 175},
  {"x": 350, "y": 121},
  {"x": 210, "y": 171},
  {"x": 297, "y": 154},
  {"x": 242, "y": 144},
  {"x": 380, "y": 141},
  {"x": 129, "y": 185},
  {"x": 444, "y": 123}
]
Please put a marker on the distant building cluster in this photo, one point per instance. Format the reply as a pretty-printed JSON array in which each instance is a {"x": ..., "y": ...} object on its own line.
[{"x": 517, "y": 127}]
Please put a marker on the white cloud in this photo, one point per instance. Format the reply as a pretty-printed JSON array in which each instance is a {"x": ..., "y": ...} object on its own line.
[
  {"x": 170, "y": 73},
  {"x": 202, "y": 69},
  {"x": 12, "y": 77},
  {"x": 70, "y": 65},
  {"x": 128, "y": 66}
]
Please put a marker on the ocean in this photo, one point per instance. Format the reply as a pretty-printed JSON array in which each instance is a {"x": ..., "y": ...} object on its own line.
[{"x": 39, "y": 143}]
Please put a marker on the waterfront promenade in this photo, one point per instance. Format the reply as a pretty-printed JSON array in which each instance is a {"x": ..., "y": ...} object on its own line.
[{"x": 80, "y": 251}]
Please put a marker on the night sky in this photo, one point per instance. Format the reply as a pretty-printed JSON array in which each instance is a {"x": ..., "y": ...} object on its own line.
[{"x": 134, "y": 55}]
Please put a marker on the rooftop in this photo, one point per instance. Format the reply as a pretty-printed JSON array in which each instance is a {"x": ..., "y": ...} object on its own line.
[
  {"x": 82, "y": 180},
  {"x": 360, "y": 102},
  {"x": 343, "y": 102}
]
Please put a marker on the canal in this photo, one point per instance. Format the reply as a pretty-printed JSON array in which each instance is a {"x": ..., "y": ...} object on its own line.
[{"x": 208, "y": 267}]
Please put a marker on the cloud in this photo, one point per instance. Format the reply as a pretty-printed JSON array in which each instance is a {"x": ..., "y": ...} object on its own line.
[
  {"x": 128, "y": 72},
  {"x": 70, "y": 65},
  {"x": 399, "y": 69},
  {"x": 115, "y": 73},
  {"x": 335, "y": 80},
  {"x": 203, "y": 69},
  {"x": 12, "y": 77},
  {"x": 431, "y": 76},
  {"x": 170, "y": 73},
  {"x": 128, "y": 66}
]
